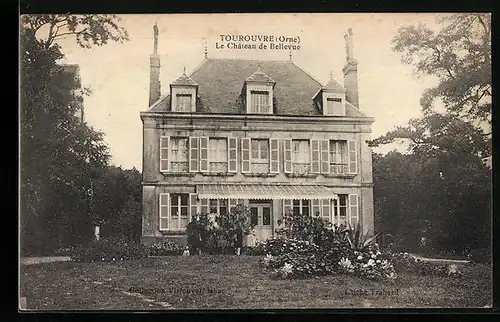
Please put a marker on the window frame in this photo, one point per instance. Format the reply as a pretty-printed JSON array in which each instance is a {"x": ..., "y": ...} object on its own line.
[
  {"x": 258, "y": 109},
  {"x": 179, "y": 208},
  {"x": 218, "y": 205},
  {"x": 189, "y": 106},
  {"x": 259, "y": 160}
]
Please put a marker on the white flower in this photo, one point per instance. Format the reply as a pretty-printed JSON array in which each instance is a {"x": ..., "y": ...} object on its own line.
[
  {"x": 346, "y": 264},
  {"x": 373, "y": 256},
  {"x": 365, "y": 265},
  {"x": 378, "y": 261},
  {"x": 371, "y": 262},
  {"x": 102, "y": 259},
  {"x": 286, "y": 269},
  {"x": 378, "y": 253},
  {"x": 360, "y": 257}
]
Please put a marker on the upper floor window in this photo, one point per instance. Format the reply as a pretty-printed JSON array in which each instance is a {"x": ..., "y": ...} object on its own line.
[
  {"x": 217, "y": 155},
  {"x": 338, "y": 157},
  {"x": 184, "y": 102},
  {"x": 301, "y": 156},
  {"x": 198, "y": 154},
  {"x": 179, "y": 154},
  {"x": 334, "y": 106},
  {"x": 260, "y": 151},
  {"x": 259, "y": 102}
]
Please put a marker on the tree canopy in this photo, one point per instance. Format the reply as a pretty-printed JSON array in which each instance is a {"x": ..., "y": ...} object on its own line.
[
  {"x": 60, "y": 156},
  {"x": 459, "y": 55}
]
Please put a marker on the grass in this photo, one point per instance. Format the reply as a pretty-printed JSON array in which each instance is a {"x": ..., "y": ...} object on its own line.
[{"x": 230, "y": 282}]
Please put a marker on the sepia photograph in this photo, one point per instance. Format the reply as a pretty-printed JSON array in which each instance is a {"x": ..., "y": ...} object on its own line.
[{"x": 260, "y": 161}]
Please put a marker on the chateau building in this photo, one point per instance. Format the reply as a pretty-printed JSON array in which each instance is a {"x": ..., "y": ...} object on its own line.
[{"x": 262, "y": 133}]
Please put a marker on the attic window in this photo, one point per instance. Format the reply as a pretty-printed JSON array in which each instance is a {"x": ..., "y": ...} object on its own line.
[
  {"x": 183, "y": 102},
  {"x": 334, "y": 106},
  {"x": 259, "y": 102}
]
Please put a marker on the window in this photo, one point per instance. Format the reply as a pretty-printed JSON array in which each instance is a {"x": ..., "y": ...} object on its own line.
[
  {"x": 301, "y": 156},
  {"x": 183, "y": 102},
  {"x": 260, "y": 151},
  {"x": 340, "y": 210},
  {"x": 179, "y": 217},
  {"x": 218, "y": 206},
  {"x": 217, "y": 155},
  {"x": 259, "y": 102},
  {"x": 334, "y": 106},
  {"x": 338, "y": 157},
  {"x": 301, "y": 206},
  {"x": 179, "y": 154}
]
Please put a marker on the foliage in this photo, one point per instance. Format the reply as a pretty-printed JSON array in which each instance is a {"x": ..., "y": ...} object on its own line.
[
  {"x": 61, "y": 155},
  {"x": 445, "y": 201},
  {"x": 220, "y": 230},
  {"x": 88, "y": 29},
  {"x": 459, "y": 55},
  {"x": 108, "y": 249},
  {"x": 358, "y": 241},
  {"x": 303, "y": 226},
  {"x": 404, "y": 262},
  {"x": 165, "y": 248}
]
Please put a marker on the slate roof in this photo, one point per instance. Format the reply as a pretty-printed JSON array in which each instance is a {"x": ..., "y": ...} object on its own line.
[
  {"x": 334, "y": 86},
  {"x": 184, "y": 80},
  {"x": 260, "y": 76},
  {"x": 220, "y": 83}
]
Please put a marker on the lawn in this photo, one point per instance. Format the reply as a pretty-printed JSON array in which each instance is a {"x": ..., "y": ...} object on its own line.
[{"x": 230, "y": 282}]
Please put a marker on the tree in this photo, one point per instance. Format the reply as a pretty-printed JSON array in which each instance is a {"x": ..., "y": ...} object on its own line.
[
  {"x": 459, "y": 55},
  {"x": 60, "y": 155},
  {"x": 441, "y": 189}
]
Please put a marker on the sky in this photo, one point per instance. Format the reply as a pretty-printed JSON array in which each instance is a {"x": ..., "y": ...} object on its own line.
[{"x": 118, "y": 74}]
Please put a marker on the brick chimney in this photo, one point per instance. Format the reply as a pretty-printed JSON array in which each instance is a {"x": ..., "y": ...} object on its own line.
[
  {"x": 154, "y": 71},
  {"x": 351, "y": 71}
]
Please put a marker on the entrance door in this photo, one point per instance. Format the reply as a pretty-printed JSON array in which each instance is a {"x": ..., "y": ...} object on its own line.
[{"x": 261, "y": 216}]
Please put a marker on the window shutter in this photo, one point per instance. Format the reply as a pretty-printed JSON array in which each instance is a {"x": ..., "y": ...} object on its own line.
[
  {"x": 193, "y": 154},
  {"x": 164, "y": 210},
  {"x": 193, "y": 206},
  {"x": 203, "y": 154},
  {"x": 287, "y": 148},
  {"x": 325, "y": 156},
  {"x": 316, "y": 207},
  {"x": 353, "y": 210},
  {"x": 203, "y": 206},
  {"x": 245, "y": 155},
  {"x": 287, "y": 206},
  {"x": 325, "y": 209},
  {"x": 275, "y": 155},
  {"x": 232, "y": 203},
  {"x": 353, "y": 160},
  {"x": 315, "y": 156},
  {"x": 232, "y": 155},
  {"x": 164, "y": 153}
]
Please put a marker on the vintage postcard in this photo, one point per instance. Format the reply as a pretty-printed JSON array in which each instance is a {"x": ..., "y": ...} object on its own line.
[{"x": 255, "y": 161}]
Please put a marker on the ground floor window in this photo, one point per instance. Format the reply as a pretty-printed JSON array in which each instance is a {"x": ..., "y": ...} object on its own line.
[
  {"x": 218, "y": 206},
  {"x": 301, "y": 206},
  {"x": 174, "y": 211}
]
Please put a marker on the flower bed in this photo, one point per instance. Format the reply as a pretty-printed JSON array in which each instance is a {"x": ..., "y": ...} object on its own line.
[{"x": 165, "y": 248}]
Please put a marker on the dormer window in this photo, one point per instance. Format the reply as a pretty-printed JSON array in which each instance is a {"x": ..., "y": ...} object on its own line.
[
  {"x": 258, "y": 93},
  {"x": 334, "y": 106},
  {"x": 259, "y": 102},
  {"x": 183, "y": 102},
  {"x": 183, "y": 92},
  {"x": 330, "y": 99}
]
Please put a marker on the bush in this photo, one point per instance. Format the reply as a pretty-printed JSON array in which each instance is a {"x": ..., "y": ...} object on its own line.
[
  {"x": 108, "y": 249},
  {"x": 165, "y": 248}
]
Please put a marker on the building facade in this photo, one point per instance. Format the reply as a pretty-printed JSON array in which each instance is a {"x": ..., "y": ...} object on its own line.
[{"x": 262, "y": 133}]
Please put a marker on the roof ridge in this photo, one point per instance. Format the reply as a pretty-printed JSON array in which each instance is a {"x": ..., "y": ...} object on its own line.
[{"x": 241, "y": 59}]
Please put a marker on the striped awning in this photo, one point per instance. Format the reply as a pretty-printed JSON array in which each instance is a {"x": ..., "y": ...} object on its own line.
[{"x": 263, "y": 191}]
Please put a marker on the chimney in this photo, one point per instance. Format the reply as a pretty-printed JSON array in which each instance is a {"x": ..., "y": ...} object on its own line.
[
  {"x": 154, "y": 71},
  {"x": 351, "y": 71}
]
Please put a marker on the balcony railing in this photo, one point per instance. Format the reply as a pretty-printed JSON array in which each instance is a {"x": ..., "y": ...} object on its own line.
[
  {"x": 217, "y": 167},
  {"x": 338, "y": 168},
  {"x": 179, "y": 166}
]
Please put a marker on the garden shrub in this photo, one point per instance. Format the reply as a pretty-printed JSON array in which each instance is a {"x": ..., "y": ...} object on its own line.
[
  {"x": 108, "y": 249},
  {"x": 165, "y": 248}
]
